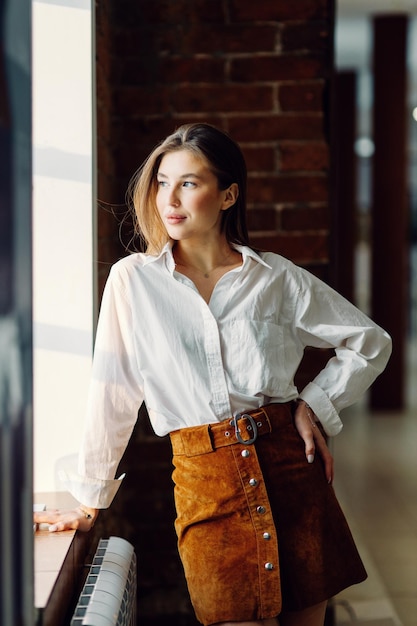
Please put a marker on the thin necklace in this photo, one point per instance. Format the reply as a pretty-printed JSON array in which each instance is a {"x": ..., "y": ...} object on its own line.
[{"x": 207, "y": 273}]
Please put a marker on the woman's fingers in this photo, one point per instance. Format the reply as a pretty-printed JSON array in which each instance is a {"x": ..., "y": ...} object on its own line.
[
  {"x": 326, "y": 456},
  {"x": 313, "y": 439},
  {"x": 305, "y": 430},
  {"x": 58, "y": 520}
]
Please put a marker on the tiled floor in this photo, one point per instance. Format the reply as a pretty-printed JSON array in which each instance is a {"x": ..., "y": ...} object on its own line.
[{"x": 376, "y": 482}]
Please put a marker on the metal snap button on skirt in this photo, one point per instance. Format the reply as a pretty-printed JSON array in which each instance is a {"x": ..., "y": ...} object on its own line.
[{"x": 259, "y": 529}]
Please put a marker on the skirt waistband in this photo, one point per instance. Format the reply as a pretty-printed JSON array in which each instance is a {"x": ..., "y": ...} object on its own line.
[{"x": 244, "y": 428}]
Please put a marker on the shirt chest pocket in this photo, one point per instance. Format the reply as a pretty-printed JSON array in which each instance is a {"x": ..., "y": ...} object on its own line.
[{"x": 254, "y": 356}]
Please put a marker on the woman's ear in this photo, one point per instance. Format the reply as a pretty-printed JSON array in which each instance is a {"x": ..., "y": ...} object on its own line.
[{"x": 231, "y": 195}]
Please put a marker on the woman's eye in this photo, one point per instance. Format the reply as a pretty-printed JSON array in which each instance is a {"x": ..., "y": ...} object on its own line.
[
  {"x": 188, "y": 183},
  {"x": 162, "y": 183}
]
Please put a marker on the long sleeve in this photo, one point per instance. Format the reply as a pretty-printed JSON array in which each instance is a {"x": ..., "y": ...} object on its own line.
[
  {"x": 362, "y": 349},
  {"x": 115, "y": 395}
]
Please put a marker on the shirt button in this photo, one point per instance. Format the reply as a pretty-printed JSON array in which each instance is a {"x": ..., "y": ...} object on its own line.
[
  {"x": 269, "y": 566},
  {"x": 253, "y": 482},
  {"x": 245, "y": 453},
  {"x": 260, "y": 509},
  {"x": 266, "y": 536}
]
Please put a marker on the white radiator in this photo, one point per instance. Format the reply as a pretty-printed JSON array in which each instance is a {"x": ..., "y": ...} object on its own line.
[{"x": 108, "y": 597}]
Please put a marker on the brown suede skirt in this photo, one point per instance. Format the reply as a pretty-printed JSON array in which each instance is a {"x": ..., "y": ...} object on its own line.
[{"x": 259, "y": 529}]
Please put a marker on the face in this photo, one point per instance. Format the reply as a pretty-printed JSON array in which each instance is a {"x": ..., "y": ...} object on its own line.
[{"x": 188, "y": 199}]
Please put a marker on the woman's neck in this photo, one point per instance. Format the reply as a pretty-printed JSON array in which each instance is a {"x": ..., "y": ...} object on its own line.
[
  {"x": 204, "y": 258},
  {"x": 206, "y": 266}
]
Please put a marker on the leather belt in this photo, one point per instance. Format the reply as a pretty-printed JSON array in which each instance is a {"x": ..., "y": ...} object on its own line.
[{"x": 243, "y": 429}]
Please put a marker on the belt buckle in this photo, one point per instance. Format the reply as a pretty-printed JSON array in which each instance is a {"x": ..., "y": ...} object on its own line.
[{"x": 253, "y": 427}]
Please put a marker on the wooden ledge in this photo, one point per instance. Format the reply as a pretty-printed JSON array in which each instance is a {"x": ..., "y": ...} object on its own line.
[{"x": 59, "y": 565}]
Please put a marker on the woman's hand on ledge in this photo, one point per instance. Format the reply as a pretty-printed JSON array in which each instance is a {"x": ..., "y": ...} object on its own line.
[{"x": 82, "y": 518}]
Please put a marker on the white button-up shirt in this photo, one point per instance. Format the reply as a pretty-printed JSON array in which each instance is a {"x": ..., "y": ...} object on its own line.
[{"x": 193, "y": 363}]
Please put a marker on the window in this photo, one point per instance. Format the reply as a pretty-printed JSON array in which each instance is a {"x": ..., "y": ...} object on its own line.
[{"x": 63, "y": 228}]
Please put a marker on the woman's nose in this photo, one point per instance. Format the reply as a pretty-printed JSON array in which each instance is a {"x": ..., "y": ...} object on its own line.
[{"x": 173, "y": 198}]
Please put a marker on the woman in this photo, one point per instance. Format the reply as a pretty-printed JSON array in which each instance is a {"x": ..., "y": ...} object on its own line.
[{"x": 210, "y": 334}]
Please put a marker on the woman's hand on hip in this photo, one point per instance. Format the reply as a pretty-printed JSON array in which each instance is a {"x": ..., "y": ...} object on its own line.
[
  {"x": 81, "y": 518},
  {"x": 309, "y": 431}
]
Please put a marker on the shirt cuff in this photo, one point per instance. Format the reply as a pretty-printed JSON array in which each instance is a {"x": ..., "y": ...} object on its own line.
[
  {"x": 95, "y": 493},
  {"x": 320, "y": 403}
]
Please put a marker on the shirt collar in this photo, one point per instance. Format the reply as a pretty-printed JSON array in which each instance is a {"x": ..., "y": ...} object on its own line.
[
  {"x": 248, "y": 253},
  {"x": 164, "y": 256},
  {"x": 167, "y": 256}
]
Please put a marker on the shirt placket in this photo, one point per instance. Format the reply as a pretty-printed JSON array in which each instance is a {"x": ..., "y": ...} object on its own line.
[{"x": 218, "y": 385}]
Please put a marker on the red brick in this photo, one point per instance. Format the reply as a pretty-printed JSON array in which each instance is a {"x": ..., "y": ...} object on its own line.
[
  {"x": 109, "y": 216},
  {"x": 277, "y": 67},
  {"x": 260, "y": 158},
  {"x": 281, "y": 10},
  {"x": 104, "y": 119},
  {"x": 235, "y": 38},
  {"x": 137, "y": 101},
  {"x": 301, "y": 97},
  {"x": 301, "y": 248},
  {"x": 104, "y": 54},
  {"x": 226, "y": 98},
  {"x": 275, "y": 127},
  {"x": 156, "y": 12},
  {"x": 168, "y": 70},
  {"x": 105, "y": 157},
  {"x": 132, "y": 40},
  {"x": 128, "y": 161},
  {"x": 105, "y": 191},
  {"x": 279, "y": 189},
  {"x": 305, "y": 217},
  {"x": 103, "y": 85},
  {"x": 103, "y": 19},
  {"x": 308, "y": 156},
  {"x": 191, "y": 70},
  {"x": 205, "y": 11},
  {"x": 262, "y": 219},
  {"x": 313, "y": 36},
  {"x": 143, "y": 134},
  {"x": 222, "y": 39}
]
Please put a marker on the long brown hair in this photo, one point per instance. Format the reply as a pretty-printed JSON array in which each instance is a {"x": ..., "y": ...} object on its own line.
[{"x": 225, "y": 160}]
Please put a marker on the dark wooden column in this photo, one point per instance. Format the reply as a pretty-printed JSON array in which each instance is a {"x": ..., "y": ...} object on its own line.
[
  {"x": 344, "y": 183},
  {"x": 16, "y": 526},
  {"x": 389, "y": 214}
]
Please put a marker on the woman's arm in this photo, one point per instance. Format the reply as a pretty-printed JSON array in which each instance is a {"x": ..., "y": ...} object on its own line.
[{"x": 324, "y": 319}]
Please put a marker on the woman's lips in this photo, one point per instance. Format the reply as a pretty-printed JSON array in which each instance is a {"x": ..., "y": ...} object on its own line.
[{"x": 175, "y": 219}]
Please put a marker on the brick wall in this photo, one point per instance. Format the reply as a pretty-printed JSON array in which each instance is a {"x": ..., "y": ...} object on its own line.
[{"x": 259, "y": 70}]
